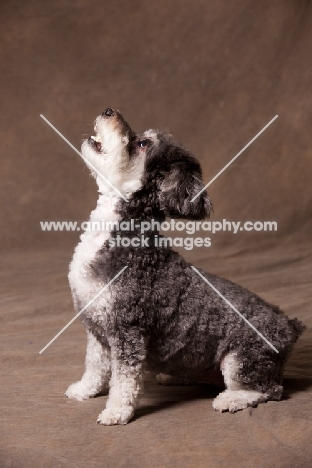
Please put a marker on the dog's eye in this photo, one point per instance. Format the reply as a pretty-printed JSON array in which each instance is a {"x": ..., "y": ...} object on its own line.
[{"x": 143, "y": 143}]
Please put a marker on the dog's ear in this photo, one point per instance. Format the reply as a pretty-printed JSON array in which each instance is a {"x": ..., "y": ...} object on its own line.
[{"x": 178, "y": 189}]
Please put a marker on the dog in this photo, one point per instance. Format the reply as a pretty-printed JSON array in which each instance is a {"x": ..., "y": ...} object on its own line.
[{"x": 159, "y": 312}]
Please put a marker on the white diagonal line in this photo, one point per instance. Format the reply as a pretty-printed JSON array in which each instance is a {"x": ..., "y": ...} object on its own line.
[
  {"x": 85, "y": 160},
  {"x": 235, "y": 157},
  {"x": 83, "y": 309},
  {"x": 235, "y": 310}
]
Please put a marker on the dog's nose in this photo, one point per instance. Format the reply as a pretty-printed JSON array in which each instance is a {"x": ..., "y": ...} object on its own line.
[{"x": 109, "y": 112}]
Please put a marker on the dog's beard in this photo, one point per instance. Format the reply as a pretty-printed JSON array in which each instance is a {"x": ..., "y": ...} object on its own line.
[
  {"x": 109, "y": 155},
  {"x": 107, "y": 150}
]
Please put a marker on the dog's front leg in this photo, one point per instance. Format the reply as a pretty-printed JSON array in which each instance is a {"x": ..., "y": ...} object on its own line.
[
  {"x": 97, "y": 373},
  {"x": 126, "y": 384}
]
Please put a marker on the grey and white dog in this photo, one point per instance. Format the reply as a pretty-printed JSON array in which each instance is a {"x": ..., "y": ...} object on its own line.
[{"x": 159, "y": 313}]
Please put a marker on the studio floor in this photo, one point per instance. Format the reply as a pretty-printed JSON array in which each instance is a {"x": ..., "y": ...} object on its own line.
[{"x": 173, "y": 426}]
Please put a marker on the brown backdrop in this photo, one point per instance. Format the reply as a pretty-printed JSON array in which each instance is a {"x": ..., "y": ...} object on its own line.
[{"x": 213, "y": 74}]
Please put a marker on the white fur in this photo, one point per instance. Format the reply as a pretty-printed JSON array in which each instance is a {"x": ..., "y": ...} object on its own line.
[
  {"x": 82, "y": 285},
  {"x": 126, "y": 175},
  {"x": 235, "y": 397},
  {"x": 97, "y": 373},
  {"x": 102, "y": 366},
  {"x": 235, "y": 400},
  {"x": 113, "y": 161}
]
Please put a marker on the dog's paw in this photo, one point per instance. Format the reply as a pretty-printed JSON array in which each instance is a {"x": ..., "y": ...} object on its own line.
[
  {"x": 227, "y": 402},
  {"x": 236, "y": 400},
  {"x": 117, "y": 415},
  {"x": 78, "y": 391}
]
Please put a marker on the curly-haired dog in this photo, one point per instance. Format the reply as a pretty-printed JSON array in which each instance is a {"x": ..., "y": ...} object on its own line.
[{"x": 159, "y": 311}]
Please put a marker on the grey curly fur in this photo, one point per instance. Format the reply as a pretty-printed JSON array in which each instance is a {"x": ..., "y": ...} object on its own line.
[{"x": 162, "y": 312}]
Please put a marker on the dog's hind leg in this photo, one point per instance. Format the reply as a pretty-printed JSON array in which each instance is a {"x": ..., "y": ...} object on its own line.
[
  {"x": 238, "y": 396},
  {"x": 97, "y": 372}
]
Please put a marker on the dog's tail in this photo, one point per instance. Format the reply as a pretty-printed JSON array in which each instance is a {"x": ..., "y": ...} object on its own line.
[{"x": 297, "y": 327}]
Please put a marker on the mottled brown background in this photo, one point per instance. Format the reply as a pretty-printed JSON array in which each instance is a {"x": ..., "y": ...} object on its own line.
[{"x": 213, "y": 73}]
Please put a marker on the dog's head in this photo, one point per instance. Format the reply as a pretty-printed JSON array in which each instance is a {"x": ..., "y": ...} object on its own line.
[
  {"x": 152, "y": 170},
  {"x": 173, "y": 175},
  {"x": 109, "y": 152}
]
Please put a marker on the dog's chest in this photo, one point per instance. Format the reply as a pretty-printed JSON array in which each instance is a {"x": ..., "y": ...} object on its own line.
[{"x": 84, "y": 284}]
